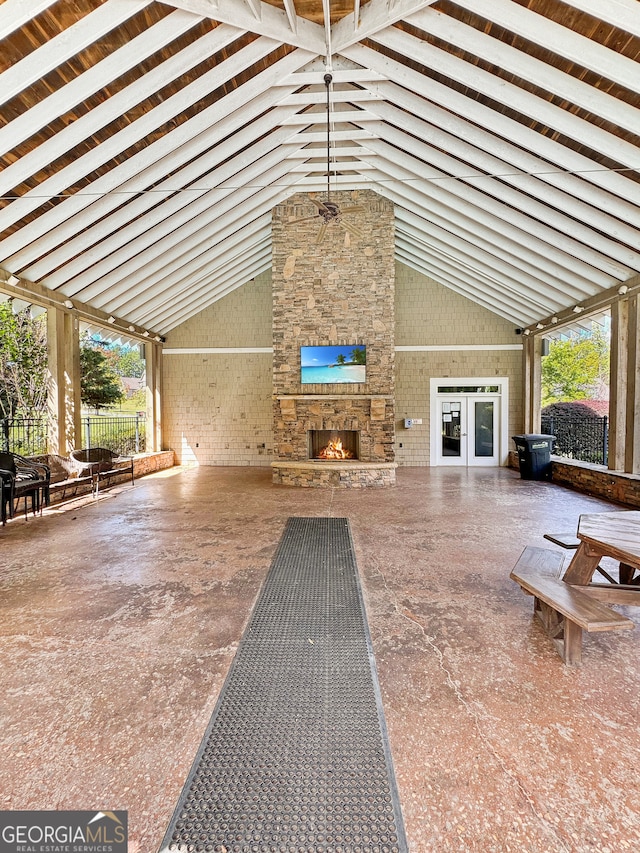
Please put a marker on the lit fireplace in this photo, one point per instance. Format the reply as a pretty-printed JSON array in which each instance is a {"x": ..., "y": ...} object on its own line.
[{"x": 334, "y": 445}]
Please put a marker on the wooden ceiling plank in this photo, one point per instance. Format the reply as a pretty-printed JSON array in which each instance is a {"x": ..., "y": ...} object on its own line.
[
  {"x": 563, "y": 216},
  {"x": 374, "y": 16},
  {"x": 534, "y": 71},
  {"x": 536, "y": 143},
  {"x": 15, "y": 13},
  {"x": 123, "y": 176},
  {"x": 272, "y": 22},
  {"x": 115, "y": 106},
  {"x": 594, "y": 266},
  {"x": 115, "y": 230},
  {"x": 621, "y": 13},
  {"x": 66, "y": 44},
  {"x": 499, "y": 156},
  {"x": 94, "y": 79},
  {"x": 561, "y": 40}
]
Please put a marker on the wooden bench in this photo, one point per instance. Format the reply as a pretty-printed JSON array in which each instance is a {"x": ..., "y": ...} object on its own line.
[{"x": 565, "y": 611}]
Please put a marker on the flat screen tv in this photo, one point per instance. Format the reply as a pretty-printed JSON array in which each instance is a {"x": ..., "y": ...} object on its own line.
[{"x": 332, "y": 365}]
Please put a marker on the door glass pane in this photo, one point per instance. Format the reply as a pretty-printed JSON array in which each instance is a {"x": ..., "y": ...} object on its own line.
[
  {"x": 483, "y": 418},
  {"x": 450, "y": 422}
]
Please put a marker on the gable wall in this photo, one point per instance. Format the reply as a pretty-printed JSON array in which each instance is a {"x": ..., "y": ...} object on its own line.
[{"x": 218, "y": 406}]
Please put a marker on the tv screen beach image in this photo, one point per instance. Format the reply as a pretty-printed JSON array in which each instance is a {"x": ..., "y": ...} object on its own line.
[{"x": 333, "y": 364}]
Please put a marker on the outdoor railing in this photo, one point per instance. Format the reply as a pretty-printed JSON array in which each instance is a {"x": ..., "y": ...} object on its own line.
[
  {"x": 124, "y": 434},
  {"x": 586, "y": 439}
]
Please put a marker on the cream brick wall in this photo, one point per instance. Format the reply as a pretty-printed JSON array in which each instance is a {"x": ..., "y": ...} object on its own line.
[
  {"x": 428, "y": 314},
  {"x": 218, "y": 407}
]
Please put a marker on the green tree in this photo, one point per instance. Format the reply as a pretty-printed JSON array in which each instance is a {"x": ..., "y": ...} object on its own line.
[
  {"x": 358, "y": 355},
  {"x": 340, "y": 359},
  {"x": 576, "y": 369},
  {"x": 100, "y": 386},
  {"x": 23, "y": 362}
]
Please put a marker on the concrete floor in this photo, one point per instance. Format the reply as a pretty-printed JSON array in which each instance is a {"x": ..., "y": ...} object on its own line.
[{"x": 119, "y": 619}]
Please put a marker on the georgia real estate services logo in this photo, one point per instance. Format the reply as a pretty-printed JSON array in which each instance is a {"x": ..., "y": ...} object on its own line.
[{"x": 63, "y": 832}]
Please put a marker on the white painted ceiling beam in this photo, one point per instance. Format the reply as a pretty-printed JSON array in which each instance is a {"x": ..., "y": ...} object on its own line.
[
  {"x": 352, "y": 135},
  {"x": 444, "y": 270},
  {"x": 121, "y": 140},
  {"x": 528, "y": 68},
  {"x": 186, "y": 241},
  {"x": 445, "y": 274},
  {"x": 201, "y": 268},
  {"x": 66, "y": 44},
  {"x": 239, "y": 241},
  {"x": 272, "y": 22},
  {"x": 505, "y": 128},
  {"x": 508, "y": 161},
  {"x": 94, "y": 79},
  {"x": 192, "y": 299},
  {"x": 334, "y": 152},
  {"x": 519, "y": 99},
  {"x": 561, "y": 40},
  {"x": 476, "y": 258},
  {"x": 150, "y": 161},
  {"x": 341, "y": 96},
  {"x": 111, "y": 232},
  {"x": 311, "y": 167},
  {"x": 502, "y": 277},
  {"x": 495, "y": 237},
  {"x": 15, "y": 13},
  {"x": 214, "y": 287},
  {"x": 523, "y": 229},
  {"x": 114, "y": 107},
  {"x": 344, "y": 117},
  {"x": 150, "y": 257},
  {"x": 477, "y": 262},
  {"x": 461, "y": 176},
  {"x": 340, "y": 75}
]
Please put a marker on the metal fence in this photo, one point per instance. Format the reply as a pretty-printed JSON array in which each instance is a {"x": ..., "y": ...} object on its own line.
[
  {"x": 123, "y": 434},
  {"x": 586, "y": 440}
]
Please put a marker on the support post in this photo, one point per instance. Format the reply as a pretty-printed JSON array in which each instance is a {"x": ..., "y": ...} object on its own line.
[
  {"x": 63, "y": 401},
  {"x": 153, "y": 362}
]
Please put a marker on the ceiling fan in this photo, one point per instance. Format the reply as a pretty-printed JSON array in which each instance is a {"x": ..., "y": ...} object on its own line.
[{"x": 329, "y": 211}]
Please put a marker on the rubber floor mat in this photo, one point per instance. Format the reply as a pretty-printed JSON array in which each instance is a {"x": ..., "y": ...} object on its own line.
[{"x": 296, "y": 758}]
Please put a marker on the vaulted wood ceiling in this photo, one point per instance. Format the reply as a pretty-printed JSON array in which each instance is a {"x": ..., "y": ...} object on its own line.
[{"x": 144, "y": 144}]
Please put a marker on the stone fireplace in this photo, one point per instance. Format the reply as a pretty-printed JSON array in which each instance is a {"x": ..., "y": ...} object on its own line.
[{"x": 337, "y": 292}]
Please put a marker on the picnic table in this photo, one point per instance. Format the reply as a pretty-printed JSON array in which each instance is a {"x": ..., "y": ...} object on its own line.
[{"x": 608, "y": 534}]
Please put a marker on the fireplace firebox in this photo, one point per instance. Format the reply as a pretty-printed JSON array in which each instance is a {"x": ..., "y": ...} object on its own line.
[{"x": 334, "y": 445}]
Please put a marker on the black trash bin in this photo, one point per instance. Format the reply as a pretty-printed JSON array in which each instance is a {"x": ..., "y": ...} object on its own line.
[{"x": 534, "y": 455}]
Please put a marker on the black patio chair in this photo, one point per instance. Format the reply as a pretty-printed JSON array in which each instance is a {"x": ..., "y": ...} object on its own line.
[{"x": 22, "y": 478}]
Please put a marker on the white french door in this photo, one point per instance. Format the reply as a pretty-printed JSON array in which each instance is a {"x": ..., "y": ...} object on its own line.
[{"x": 468, "y": 422}]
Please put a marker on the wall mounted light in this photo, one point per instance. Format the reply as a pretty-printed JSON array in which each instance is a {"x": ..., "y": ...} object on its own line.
[
  {"x": 157, "y": 338},
  {"x": 554, "y": 320},
  {"x": 623, "y": 289},
  {"x": 132, "y": 328},
  {"x": 68, "y": 303},
  {"x": 13, "y": 280},
  {"x": 578, "y": 309},
  {"x": 145, "y": 334},
  {"x": 527, "y": 332},
  {"x": 539, "y": 326},
  {"x": 111, "y": 320}
]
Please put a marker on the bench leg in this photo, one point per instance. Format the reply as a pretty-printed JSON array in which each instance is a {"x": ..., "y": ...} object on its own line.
[
  {"x": 572, "y": 643},
  {"x": 566, "y": 635}
]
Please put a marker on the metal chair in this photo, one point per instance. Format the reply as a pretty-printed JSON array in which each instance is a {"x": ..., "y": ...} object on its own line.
[{"x": 22, "y": 479}]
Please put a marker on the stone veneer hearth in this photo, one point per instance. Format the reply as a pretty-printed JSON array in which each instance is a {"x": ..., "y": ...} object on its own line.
[{"x": 340, "y": 291}]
